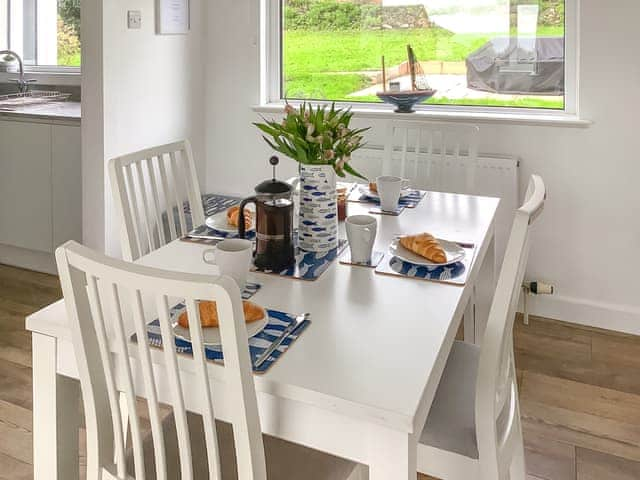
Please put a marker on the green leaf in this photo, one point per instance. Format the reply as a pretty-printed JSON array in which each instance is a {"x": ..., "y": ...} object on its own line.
[{"x": 353, "y": 172}]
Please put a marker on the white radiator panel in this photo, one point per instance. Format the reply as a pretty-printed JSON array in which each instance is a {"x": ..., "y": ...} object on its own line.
[{"x": 494, "y": 177}]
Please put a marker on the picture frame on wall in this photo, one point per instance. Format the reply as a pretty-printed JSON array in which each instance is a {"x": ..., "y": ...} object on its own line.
[{"x": 173, "y": 17}]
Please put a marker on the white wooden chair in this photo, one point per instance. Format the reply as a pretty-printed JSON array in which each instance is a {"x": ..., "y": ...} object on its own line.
[
  {"x": 107, "y": 301},
  {"x": 473, "y": 430},
  {"x": 435, "y": 156},
  {"x": 149, "y": 190}
]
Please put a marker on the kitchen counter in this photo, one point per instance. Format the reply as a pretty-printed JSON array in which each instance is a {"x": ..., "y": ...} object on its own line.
[{"x": 47, "y": 112}]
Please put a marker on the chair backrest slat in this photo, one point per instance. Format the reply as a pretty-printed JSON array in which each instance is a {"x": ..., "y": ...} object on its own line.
[
  {"x": 105, "y": 355},
  {"x": 167, "y": 196},
  {"x": 141, "y": 189},
  {"x": 151, "y": 393},
  {"x": 208, "y": 416},
  {"x": 155, "y": 197},
  {"x": 108, "y": 301},
  {"x": 120, "y": 346},
  {"x": 405, "y": 146},
  {"x": 193, "y": 189},
  {"x": 176, "y": 175},
  {"x": 497, "y": 410},
  {"x": 416, "y": 156},
  {"x": 134, "y": 215},
  {"x": 150, "y": 189},
  {"x": 179, "y": 410},
  {"x": 445, "y": 155}
]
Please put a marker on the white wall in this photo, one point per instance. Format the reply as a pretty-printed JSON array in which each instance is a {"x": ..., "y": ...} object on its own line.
[
  {"x": 585, "y": 243},
  {"x": 144, "y": 90}
]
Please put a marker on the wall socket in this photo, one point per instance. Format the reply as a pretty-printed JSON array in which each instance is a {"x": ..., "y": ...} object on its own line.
[{"x": 134, "y": 19}]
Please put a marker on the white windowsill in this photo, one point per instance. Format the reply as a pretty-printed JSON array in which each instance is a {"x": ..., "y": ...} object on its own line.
[
  {"x": 47, "y": 77},
  {"x": 459, "y": 115}
]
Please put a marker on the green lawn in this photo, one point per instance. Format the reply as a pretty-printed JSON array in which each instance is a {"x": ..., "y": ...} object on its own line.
[
  {"x": 69, "y": 60},
  {"x": 329, "y": 65}
]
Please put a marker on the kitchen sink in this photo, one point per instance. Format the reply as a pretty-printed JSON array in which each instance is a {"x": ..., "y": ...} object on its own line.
[{"x": 13, "y": 101}]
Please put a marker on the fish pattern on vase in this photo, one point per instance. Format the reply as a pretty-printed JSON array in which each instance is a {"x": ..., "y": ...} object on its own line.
[{"x": 318, "y": 217}]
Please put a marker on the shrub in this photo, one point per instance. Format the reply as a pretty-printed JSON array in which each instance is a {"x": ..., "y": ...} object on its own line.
[
  {"x": 68, "y": 44},
  {"x": 69, "y": 11},
  {"x": 332, "y": 15}
]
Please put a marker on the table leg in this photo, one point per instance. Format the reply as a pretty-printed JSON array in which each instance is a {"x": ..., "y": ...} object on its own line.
[
  {"x": 56, "y": 418},
  {"x": 485, "y": 289},
  {"x": 393, "y": 456},
  {"x": 470, "y": 319}
]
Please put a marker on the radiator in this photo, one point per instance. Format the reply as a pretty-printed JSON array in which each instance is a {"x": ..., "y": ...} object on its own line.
[{"x": 494, "y": 177}]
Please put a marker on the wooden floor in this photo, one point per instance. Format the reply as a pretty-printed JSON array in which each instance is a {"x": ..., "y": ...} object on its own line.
[{"x": 580, "y": 391}]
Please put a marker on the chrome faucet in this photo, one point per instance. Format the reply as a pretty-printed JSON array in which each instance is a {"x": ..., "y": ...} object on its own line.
[{"x": 23, "y": 84}]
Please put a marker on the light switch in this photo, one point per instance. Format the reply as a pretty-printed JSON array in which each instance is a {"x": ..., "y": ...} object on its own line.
[{"x": 134, "y": 19}]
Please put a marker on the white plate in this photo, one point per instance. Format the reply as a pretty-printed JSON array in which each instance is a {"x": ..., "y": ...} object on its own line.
[
  {"x": 364, "y": 189},
  {"x": 211, "y": 336},
  {"x": 219, "y": 222},
  {"x": 454, "y": 253}
]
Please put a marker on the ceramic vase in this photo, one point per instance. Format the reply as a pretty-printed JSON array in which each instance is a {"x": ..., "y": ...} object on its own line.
[{"x": 318, "y": 215}]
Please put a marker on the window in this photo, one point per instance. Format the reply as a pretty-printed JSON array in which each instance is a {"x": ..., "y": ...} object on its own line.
[
  {"x": 45, "y": 33},
  {"x": 482, "y": 53}
]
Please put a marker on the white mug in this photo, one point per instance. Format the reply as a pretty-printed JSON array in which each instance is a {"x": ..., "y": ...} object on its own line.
[
  {"x": 361, "y": 232},
  {"x": 389, "y": 190},
  {"x": 233, "y": 257}
]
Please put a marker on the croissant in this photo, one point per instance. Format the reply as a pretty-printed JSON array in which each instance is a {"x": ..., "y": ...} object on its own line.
[
  {"x": 233, "y": 217},
  {"x": 425, "y": 245},
  {"x": 209, "y": 314}
]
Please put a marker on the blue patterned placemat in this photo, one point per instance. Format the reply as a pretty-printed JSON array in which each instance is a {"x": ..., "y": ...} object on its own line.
[
  {"x": 278, "y": 322},
  {"x": 379, "y": 211},
  {"x": 214, "y": 203},
  {"x": 197, "y": 235},
  {"x": 411, "y": 200},
  {"x": 250, "y": 289},
  {"x": 309, "y": 265},
  {"x": 454, "y": 274},
  {"x": 211, "y": 203}
]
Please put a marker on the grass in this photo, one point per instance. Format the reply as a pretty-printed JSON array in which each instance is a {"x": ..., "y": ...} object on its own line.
[
  {"x": 69, "y": 60},
  {"x": 325, "y": 85},
  {"x": 331, "y": 65}
]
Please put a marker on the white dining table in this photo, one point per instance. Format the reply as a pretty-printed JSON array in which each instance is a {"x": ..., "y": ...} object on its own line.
[{"x": 358, "y": 383}]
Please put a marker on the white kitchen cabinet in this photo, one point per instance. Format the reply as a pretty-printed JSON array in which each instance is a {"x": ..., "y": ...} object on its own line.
[
  {"x": 40, "y": 191},
  {"x": 66, "y": 184},
  {"x": 25, "y": 186}
]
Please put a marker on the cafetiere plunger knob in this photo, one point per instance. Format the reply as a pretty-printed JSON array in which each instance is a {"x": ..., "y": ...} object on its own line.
[{"x": 274, "y": 161}]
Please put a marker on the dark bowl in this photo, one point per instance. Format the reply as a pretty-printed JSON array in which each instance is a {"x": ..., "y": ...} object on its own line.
[{"x": 405, "y": 101}]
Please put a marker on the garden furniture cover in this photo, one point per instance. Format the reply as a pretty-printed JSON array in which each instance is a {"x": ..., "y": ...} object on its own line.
[{"x": 518, "y": 66}]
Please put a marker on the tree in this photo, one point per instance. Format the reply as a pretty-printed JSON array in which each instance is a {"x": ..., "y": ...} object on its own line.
[{"x": 69, "y": 11}]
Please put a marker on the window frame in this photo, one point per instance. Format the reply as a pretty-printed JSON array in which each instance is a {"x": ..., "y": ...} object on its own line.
[
  {"x": 271, "y": 81},
  {"x": 42, "y": 73}
]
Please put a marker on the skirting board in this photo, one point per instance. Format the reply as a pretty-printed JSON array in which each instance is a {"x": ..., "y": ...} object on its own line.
[
  {"x": 621, "y": 318},
  {"x": 29, "y": 259}
]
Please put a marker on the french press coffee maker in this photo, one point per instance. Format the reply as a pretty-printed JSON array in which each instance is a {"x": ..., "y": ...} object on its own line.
[{"x": 274, "y": 223}]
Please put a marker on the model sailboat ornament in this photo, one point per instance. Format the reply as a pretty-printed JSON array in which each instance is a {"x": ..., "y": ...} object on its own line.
[{"x": 405, "y": 100}]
